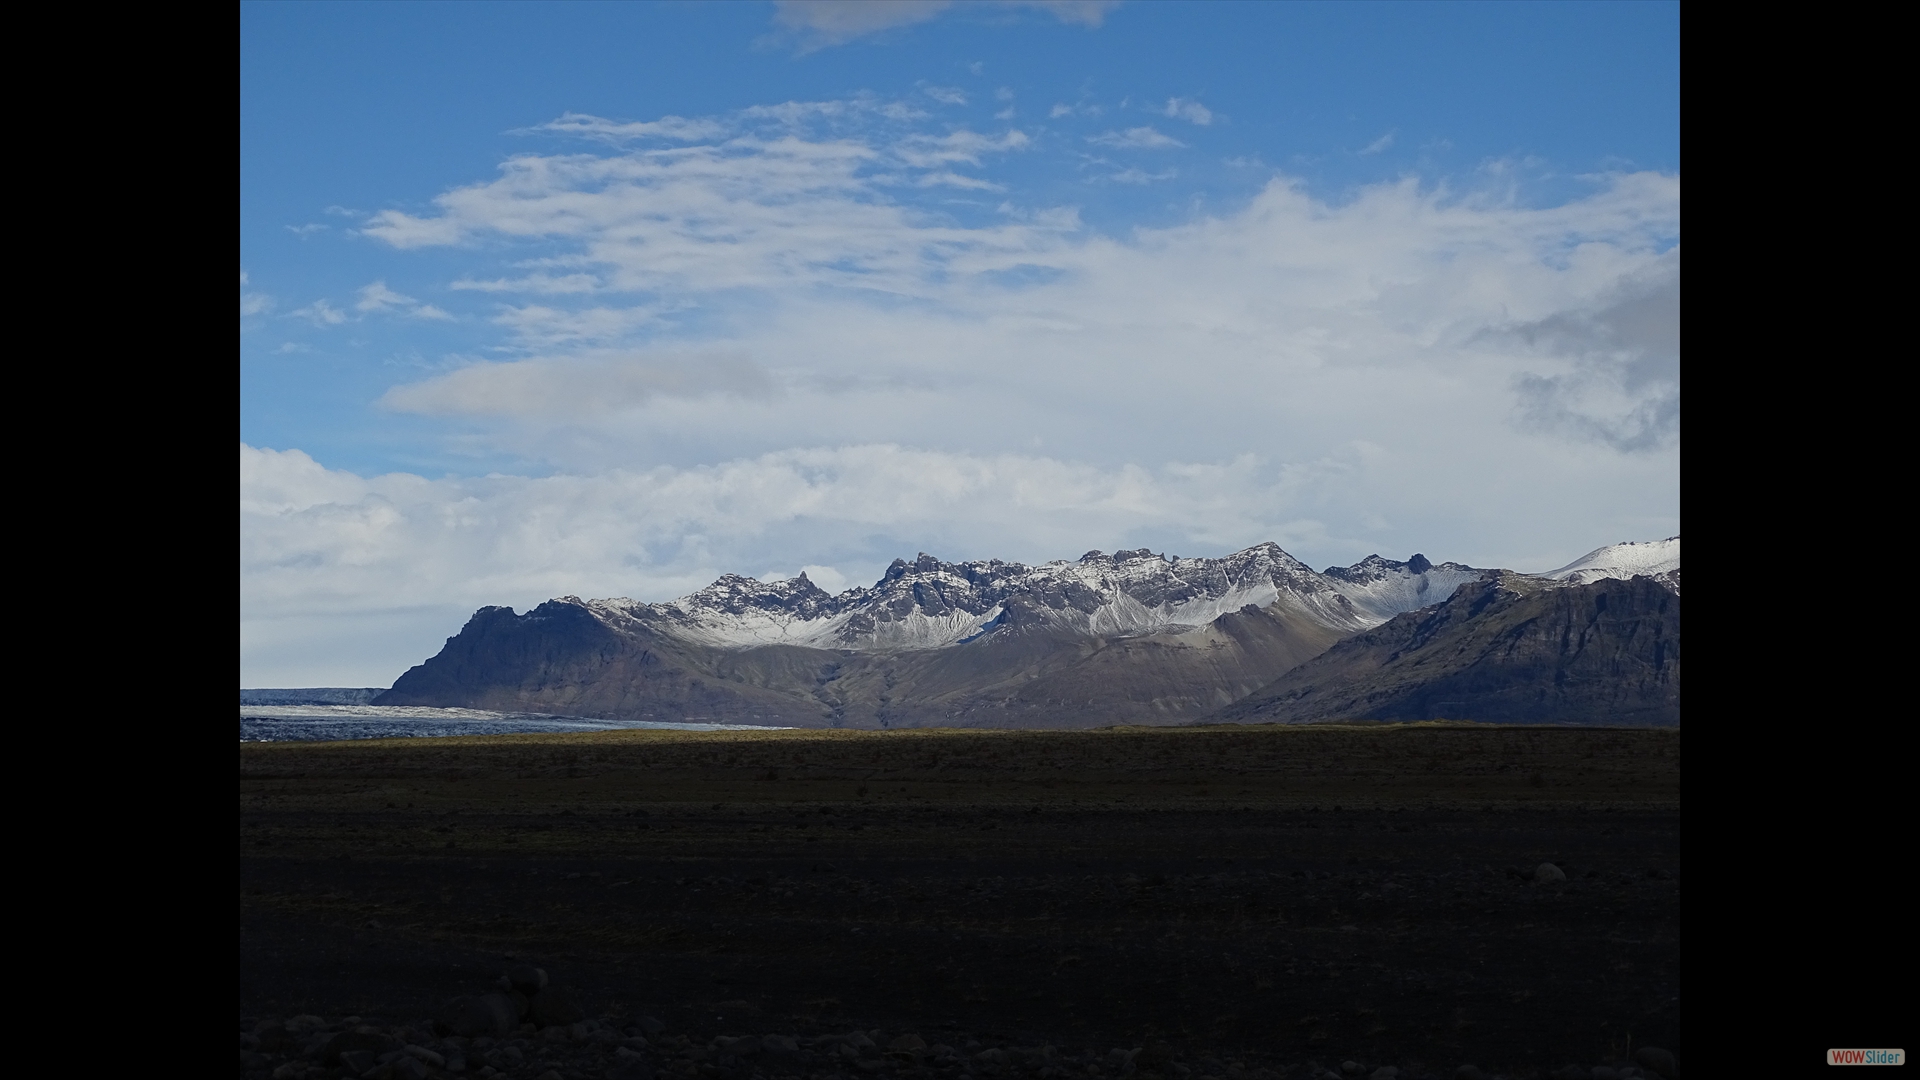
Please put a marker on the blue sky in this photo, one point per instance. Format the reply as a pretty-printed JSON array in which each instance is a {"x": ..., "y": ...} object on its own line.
[{"x": 610, "y": 299}]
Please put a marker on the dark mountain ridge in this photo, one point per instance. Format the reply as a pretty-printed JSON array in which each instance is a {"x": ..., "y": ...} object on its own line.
[{"x": 1128, "y": 638}]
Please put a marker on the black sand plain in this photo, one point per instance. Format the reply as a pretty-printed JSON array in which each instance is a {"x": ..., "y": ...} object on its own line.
[{"x": 1251, "y": 898}]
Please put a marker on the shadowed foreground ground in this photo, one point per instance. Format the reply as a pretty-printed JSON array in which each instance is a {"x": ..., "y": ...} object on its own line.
[{"x": 1254, "y": 897}]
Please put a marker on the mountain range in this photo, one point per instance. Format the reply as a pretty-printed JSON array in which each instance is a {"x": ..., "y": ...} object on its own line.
[{"x": 1127, "y": 638}]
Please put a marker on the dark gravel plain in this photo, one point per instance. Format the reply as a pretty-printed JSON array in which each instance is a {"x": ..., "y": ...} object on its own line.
[{"x": 1245, "y": 902}]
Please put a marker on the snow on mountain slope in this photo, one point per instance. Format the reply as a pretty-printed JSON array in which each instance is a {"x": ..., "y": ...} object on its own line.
[
  {"x": 1381, "y": 588},
  {"x": 928, "y": 603},
  {"x": 1657, "y": 559}
]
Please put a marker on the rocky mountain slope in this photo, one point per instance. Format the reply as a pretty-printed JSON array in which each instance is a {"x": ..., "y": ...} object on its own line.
[
  {"x": 1130, "y": 637},
  {"x": 1511, "y": 648}
]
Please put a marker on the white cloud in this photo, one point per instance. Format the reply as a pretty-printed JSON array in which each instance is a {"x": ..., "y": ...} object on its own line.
[
  {"x": 760, "y": 209},
  {"x": 377, "y": 297},
  {"x": 945, "y": 95},
  {"x": 321, "y": 313},
  {"x": 669, "y": 128},
  {"x": 930, "y": 151},
  {"x": 253, "y": 303},
  {"x": 1189, "y": 110},
  {"x": 1084, "y": 12},
  {"x": 324, "y": 541},
  {"x": 758, "y": 351},
  {"x": 1618, "y": 377},
  {"x": 534, "y": 283},
  {"x": 1379, "y": 144},
  {"x": 540, "y": 327},
  {"x": 827, "y": 577},
  {"x": 581, "y": 384},
  {"x": 1136, "y": 176},
  {"x": 304, "y": 231},
  {"x": 1140, "y": 138},
  {"x": 818, "y": 24},
  {"x": 832, "y": 22},
  {"x": 784, "y": 248},
  {"x": 953, "y": 179},
  {"x": 323, "y": 550}
]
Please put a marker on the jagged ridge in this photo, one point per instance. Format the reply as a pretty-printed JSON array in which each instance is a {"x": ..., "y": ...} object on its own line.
[{"x": 929, "y": 603}]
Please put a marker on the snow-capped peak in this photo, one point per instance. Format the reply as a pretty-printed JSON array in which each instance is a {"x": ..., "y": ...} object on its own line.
[{"x": 1657, "y": 559}]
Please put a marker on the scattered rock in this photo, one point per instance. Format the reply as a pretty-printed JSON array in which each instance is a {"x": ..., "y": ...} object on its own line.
[
  {"x": 304, "y": 1023},
  {"x": 527, "y": 979},
  {"x": 555, "y": 1005},
  {"x": 470, "y": 1017},
  {"x": 596, "y": 1049},
  {"x": 273, "y": 1036},
  {"x": 367, "y": 1039},
  {"x": 1657, "y": 1061},
  {"x": 1547, "y": 872}
]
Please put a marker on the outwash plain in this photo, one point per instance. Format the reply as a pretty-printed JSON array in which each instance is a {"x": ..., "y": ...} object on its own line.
[{"x": 1212, "y": 903}]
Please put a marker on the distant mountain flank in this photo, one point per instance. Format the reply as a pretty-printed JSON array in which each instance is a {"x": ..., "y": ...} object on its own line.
[
  {"x": 1510, "y": 649},
  {"x": 1131, "y": 637}
]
